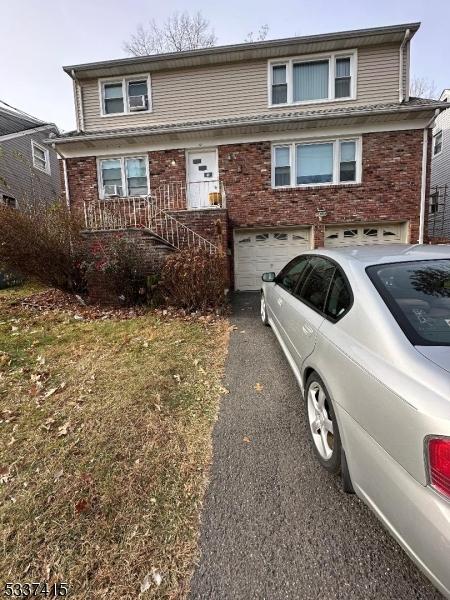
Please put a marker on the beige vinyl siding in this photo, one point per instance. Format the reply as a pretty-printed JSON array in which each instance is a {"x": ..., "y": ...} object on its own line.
[{"x": 236, "y": 89}]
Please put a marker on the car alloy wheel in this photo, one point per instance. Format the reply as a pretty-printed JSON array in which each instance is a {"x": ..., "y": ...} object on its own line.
[
  {"x": 322, "y": 424},
  {"x": 264, "y": 318}
]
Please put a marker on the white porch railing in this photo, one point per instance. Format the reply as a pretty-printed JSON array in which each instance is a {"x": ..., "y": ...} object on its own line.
[
  {"x": 209, "y": 193},
  {"x": 115, "y": 214}
]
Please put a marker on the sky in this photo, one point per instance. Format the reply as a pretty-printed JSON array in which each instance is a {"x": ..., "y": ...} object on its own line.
[{"x": 38, "y": 37}]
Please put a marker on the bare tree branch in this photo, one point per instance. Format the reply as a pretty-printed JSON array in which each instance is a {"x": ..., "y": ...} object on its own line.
[
  {"x": 181, "y": 31},
  {"x": 259, "y": 36},
  {"x": 421, "y": 87}
]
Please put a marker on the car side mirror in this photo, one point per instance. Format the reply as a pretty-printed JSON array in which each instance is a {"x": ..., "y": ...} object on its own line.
[{"x": 268, "y": 277}]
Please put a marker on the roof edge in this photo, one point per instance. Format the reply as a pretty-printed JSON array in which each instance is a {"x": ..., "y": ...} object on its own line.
[
  {"x": 217, "y": 50},
  {"x": 250, "y": 120}
]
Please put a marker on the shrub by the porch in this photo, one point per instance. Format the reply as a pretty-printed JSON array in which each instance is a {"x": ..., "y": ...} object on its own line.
[
  {"x": 43, "y": 242},
  {"x": 194, "y": 279},
  {"x": 129, "y": 272}
]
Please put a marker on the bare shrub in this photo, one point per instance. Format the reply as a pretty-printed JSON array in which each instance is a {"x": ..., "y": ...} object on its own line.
[
  {"x": 195, "y": 280},
  {"x": 129, "y": 269},
  {"x": 43, "y": 243}
]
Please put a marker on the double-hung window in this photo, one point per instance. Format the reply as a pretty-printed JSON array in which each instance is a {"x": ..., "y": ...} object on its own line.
[
  {"x": 319, "y": 79},
  {"x": 124, "y": 176},
  {"x": 125, "y": 95},
  {"x": 437, "y": 143},
  {"x": 41, "y": 157},
  {"x": 327, "y": 162}
]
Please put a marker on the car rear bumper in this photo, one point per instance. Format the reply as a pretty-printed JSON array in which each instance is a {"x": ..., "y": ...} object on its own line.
[{"x": 414, "y": 514}]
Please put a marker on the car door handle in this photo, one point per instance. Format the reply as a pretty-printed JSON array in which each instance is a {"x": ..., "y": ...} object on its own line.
[{"x": 307, "y": 329}]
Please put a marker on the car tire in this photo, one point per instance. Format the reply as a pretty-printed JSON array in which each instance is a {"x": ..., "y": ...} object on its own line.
[
  {"x": 264, "y": 317},
  {"x": 322, "y": 424}
]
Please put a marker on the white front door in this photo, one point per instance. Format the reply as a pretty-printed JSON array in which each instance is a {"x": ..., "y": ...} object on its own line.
[{"x": 202, "y": 177}]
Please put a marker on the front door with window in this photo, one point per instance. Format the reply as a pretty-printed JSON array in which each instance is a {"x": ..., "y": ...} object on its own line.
[{"x": 202, "y": 178}]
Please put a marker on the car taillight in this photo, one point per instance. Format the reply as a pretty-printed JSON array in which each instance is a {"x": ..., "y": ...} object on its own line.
[{"x": 439, "y": 464}]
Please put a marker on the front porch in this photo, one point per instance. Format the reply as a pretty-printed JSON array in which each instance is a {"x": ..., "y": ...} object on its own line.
[{"x": 191, "y": 215}]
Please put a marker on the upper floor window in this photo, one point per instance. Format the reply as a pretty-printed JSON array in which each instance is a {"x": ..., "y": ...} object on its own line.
[
  {"x": 41, "y": 157},
  {"x": 123, "y": 176},
  {"x": 319, "y": 79},
  {"x": 316, "y": 163},
  {"x": 125, "y": 95},
  {"x": 437, "y": 143}
]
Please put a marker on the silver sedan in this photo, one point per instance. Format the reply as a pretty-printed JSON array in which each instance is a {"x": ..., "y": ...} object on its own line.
[{"x": 366, "y": 331}]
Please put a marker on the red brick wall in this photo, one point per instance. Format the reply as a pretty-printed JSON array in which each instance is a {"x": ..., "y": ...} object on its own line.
[
  {"x": 82, "y": 178},
  {"x": 168, "y": 168},
  {"x": 390, "y": 188}
]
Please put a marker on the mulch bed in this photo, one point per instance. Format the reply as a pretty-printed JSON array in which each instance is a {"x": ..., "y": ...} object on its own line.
[
  {"x": 56, "y": 300},
  {"x": 78, "y": 308}
]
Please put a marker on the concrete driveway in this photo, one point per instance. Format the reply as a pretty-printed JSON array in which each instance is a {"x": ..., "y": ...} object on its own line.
[{"x": 274, "y": 524}]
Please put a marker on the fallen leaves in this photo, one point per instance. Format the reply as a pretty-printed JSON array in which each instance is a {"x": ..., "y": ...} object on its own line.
[
  {"x": 5, "y": 474},
  {"x": 154, "y": 576},
  {"x": 64, "y": 429}
]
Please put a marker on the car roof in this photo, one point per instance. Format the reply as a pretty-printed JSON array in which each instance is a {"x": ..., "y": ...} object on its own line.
[{"x": 385, "y": 253}]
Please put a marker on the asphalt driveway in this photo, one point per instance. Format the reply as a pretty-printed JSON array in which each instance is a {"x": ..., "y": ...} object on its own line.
[{"x": 275, "y": 525}]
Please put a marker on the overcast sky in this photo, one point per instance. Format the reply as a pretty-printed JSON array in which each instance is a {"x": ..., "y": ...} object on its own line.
[{"x": 39, "y": 36}]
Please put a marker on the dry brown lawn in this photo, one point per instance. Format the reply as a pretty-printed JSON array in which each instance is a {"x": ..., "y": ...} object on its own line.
[{"x": 105, "y": 443}]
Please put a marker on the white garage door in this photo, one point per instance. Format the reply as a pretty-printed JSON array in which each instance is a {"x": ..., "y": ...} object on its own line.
[
  {"x": 258, "y": 251},
  {"x": 361, "y": 235}
]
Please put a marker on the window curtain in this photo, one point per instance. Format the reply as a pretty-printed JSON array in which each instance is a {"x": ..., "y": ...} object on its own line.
[
  {"x": 311, "y": 81},
  {"x": 314, "y": 163},
  {"x": 113, "y": 98},
  {"x": 136, "y": 176},
  {"x": 112, "y": 174},
  {"x": 282, "y": 166}
]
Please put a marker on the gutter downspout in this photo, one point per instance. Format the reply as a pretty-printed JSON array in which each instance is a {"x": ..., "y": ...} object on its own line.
[
  {"x": 423, "y": 187},
  {"x": 402, "y": 94},
  {"x": 66, "y": 179}
]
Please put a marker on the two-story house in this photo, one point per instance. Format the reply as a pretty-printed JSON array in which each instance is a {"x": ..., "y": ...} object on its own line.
[
  {"x": 280, "y": 145},
  {"x": 439, "y": 207},
  {"x": 29, "y": 170}
]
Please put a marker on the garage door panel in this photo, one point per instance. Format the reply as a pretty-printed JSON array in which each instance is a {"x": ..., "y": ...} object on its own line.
[
  {"x": 365, "y": 234},
  {"x": 257, "y": 252}
]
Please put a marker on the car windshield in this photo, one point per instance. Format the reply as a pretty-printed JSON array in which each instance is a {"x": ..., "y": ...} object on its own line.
[{"x": 418, "y": 295}]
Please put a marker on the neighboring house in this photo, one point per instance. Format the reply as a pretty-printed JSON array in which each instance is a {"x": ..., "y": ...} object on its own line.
[
  {"x": 29, "y": 170},
  {"x": 439, "y": 217},
  {"x": 273, "y": 146}
]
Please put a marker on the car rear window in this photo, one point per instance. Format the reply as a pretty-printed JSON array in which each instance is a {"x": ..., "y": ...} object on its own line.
[{"x": 418, "y": 295}]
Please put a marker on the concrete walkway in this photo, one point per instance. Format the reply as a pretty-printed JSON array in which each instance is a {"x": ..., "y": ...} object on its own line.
[{"x": 276, "y": 525}]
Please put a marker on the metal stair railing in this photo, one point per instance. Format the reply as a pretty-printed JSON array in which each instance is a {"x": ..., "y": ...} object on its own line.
[{"x": 150, "y": 213}]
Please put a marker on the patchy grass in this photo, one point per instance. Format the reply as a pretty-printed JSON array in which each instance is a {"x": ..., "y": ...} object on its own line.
[{"x": 104, "y": 448}]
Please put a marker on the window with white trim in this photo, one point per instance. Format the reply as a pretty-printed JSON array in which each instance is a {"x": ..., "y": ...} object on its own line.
[
  {"x": 317, "y": 79},
  {"x": 125, "y": 95},
  {"x": 437, "y": 143},
  {"x": 327, "y": 162},
  {"x": 41, "y": 157},
  {"x": 123, "y": 176}
]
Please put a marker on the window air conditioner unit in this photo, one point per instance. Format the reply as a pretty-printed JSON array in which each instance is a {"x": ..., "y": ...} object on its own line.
[
  {"x": 113, "y": 190},
  {"x": 137, "y": 102}
]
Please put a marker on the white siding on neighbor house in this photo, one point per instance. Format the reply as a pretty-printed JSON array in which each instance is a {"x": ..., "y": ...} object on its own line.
[
  {"x": 236, "y": 89},
  {"x": 440, "y": 175}
]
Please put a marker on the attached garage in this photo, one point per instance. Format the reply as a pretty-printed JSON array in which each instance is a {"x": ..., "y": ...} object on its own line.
[
  {"x": 258, "y": 251},
  {"x": 365, "y": 234}
]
